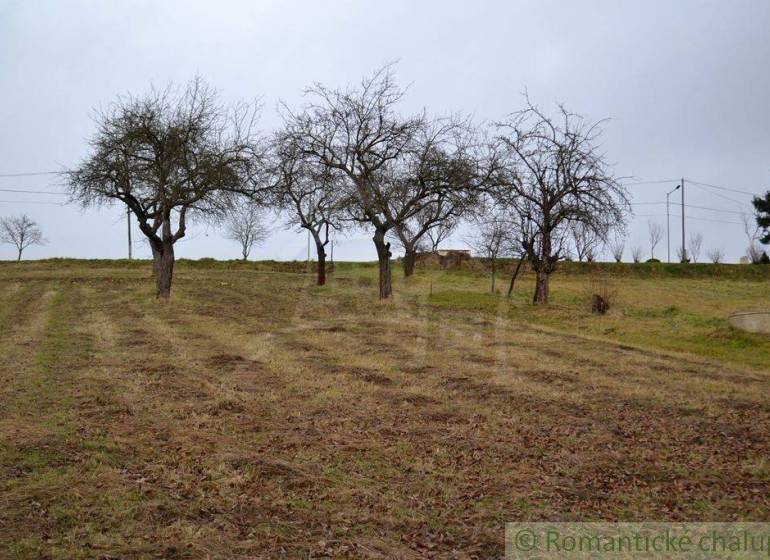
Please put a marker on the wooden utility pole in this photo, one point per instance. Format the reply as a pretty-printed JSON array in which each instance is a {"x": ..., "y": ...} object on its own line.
[
  {"x": 684, "y": 249},
  {"x": 668, "y": 223},
  {"x": 668, "y": 231}
]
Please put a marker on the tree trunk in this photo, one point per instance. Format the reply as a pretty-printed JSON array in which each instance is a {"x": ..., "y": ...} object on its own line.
[
  {"x": 383, "y": 258},
  {"x": 165, "y": 270},
  {"x": 155, "y": 261},
  {"x": 543, "y": 269},
  {"x": 513, "y": 277},
  {"x": 321, "y": 252},
  {"x": 409, "y": 261},
  {"x": 541, "y": 288},
  {"x": 494, "y": 276},
  {"x": 19, "y": 257}
]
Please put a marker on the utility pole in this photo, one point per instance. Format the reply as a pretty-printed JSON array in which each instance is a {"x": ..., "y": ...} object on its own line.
[
  {"x": 668, "y": 222},
  {"x": 128, "y": 221},
  {"x": 684, "y": 249}
]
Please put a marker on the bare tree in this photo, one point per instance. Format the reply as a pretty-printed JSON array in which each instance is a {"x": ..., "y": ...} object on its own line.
[
  {"x": 358, "y": 133},
  {"x": 752, "y": 231},
  {"x": 715, "y": 256},
  {"x": 391, "y": 167},
  {"x": 695, "y": 245},
  {"x": 310, "y": 192},
  {"x": 552, "y": 176},
  {"x": 491, "y": 239},
  {"x": 453, "y": 195},
  {"x": 405, "y": 237},
  {"x": 443, "y": 176},
  {"x": 20, "y": 231},
  {"x": 585, "y": 241},
  {"x": 440, "y": 232},
  {"x": 681, "y": 255},
  {"x": 636, "y": 254},
  {"x": 655, "y": 232},
  {"x": 617, "y": 247},
  {"x": 245, "y": 224},
  {"x": 166, "y": 155}
]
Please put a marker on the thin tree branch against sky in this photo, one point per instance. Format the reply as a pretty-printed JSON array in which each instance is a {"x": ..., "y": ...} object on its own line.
[{"x": 684, "y": 84}]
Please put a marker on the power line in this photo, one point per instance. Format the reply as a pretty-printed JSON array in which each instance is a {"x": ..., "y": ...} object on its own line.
[
  {"x": 32, "y": 174},
  {"x": 690, "y": 206},
  {"x": 711, "y": 209},
  {"x": 662, "y": 181},
  {"x": 689, "y": 218},
  {"x": 707, "y": 189},
  {"x": 33, "y": 202},
  {"x": 721, "y": 188},
  {"x": 32, "y": 192},
  {"x": 700, "y": 183}
]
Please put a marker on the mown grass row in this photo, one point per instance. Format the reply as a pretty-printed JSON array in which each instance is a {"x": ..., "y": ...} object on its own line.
[{"x": 476, "y": 266}]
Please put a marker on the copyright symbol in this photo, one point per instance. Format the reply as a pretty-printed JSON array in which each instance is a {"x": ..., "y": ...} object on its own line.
[{"x": 525, "y": 540}]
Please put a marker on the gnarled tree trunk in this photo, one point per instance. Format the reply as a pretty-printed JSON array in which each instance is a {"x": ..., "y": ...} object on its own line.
[
  {"x": 321, "y": 252},
  {"x": 541, "y": 286},
  {"x": 165, "y": 269},
  {"x": 155, "y": 260},
  {"x": 542, "y": 262},
  {"x": 409, "y": 260},
  {"x": 383, "y": 258}
]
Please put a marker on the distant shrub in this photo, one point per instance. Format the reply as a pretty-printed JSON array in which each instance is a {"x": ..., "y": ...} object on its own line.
[
  {"x": 715, "y": 256},
  {"x": 604, "y": 295},
  {"x": 599, "y": 304}
]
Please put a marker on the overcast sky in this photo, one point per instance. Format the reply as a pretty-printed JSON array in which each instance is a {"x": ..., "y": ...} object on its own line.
[{"x": 686, "y": 84}]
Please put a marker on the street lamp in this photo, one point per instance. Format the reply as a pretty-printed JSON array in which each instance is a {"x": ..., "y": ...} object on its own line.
[{"x": 668, "y": 222}]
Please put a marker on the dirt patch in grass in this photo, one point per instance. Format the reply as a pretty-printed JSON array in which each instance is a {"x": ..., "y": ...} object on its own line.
[
  {"x": 415, "y": 399},
  {"x": 417, "y": 368},
  {"x": 481, "y": 360},
  {"x": 229, "y": 361},
  {"x": 470, "y": 387},
  {"x": 371, "y": 377}
]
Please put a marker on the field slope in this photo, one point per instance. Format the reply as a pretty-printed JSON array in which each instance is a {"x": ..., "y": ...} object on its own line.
[{"x": 260, "y": 416}]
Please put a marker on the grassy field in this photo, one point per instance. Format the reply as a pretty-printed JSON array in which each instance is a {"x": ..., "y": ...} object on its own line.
[{"x": 260, "y": 416}]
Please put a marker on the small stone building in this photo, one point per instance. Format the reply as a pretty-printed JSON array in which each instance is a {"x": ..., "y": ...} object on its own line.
[{"x": 445, "y": 258}]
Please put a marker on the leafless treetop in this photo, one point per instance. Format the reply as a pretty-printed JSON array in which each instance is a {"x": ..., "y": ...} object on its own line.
[
  {"x": 21, "y": 232},
  {"x": 167, "y": 151}
]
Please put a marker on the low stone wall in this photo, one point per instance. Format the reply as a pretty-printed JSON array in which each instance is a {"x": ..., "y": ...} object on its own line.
[{"x": 752, "y": 321}]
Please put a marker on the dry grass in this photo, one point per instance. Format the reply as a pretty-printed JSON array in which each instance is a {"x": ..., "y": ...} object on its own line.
[{"x": 259, "y": 416}]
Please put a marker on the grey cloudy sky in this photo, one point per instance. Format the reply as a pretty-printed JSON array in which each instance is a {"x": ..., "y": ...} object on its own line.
[{"x": 686, "y": 84}]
